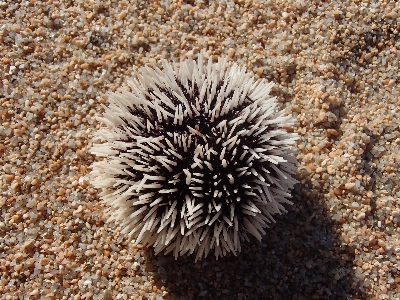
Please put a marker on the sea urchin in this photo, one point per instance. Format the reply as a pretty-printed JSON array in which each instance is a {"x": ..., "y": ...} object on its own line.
[{"x": 195, "y": 157}]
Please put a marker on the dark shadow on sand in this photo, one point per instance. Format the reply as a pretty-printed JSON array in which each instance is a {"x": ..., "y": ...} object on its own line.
[{"x": 299, "y": 258}]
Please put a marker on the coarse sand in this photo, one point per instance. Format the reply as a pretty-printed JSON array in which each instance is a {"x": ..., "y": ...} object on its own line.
[{"x": 336, "y": 69}]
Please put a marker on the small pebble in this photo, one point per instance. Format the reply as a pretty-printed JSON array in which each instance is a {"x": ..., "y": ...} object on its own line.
[
  {"x": 349, "y": 185},
  {"x": 360, "y": 216}
]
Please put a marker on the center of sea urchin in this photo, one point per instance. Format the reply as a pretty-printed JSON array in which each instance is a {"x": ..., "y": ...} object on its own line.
[{"x": 208, "y": 161}]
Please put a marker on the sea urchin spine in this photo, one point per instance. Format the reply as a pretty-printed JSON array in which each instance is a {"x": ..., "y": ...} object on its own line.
[{"x": 195, "y": 157}]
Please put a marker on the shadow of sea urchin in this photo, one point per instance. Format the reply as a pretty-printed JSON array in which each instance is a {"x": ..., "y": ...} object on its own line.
[{"x": 195, "y": 157}]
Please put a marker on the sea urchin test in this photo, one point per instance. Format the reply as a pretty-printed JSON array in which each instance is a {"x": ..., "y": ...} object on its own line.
[{"x": 194, "y": 158}]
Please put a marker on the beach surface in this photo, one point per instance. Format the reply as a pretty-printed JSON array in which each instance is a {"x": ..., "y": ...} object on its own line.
[{"x": 335, "y": 65}]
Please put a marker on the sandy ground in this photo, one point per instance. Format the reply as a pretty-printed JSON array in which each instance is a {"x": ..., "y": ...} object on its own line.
[{"x": 336, "y": 69}]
